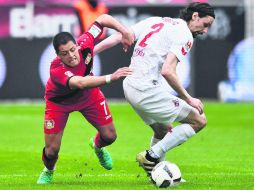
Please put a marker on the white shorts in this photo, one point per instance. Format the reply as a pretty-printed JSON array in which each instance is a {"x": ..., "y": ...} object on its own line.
[{"x": 156, "y": 104}]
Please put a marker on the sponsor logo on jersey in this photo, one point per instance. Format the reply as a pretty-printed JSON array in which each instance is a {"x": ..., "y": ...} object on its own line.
[
  {"x": 186, "y": 48},
  {"x": 69, "y": 73},
  {"x": 49, "y": 124},
  {"x": 88, "y": 58}
]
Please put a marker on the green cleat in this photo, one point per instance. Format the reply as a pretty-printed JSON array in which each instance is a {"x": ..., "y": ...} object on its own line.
[
  {"x": 103, "y": 156},
  {"x": 46, "y": 176}
]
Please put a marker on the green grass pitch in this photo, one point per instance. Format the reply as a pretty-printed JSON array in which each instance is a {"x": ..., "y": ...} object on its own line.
[{"x": 219, "y": 157}]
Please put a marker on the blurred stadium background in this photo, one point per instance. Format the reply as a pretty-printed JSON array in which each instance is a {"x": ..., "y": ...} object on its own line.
[{"x": 220, "y": 66}]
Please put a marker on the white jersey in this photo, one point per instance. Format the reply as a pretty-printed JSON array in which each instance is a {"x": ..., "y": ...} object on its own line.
[{"x": 156, "y": 37}]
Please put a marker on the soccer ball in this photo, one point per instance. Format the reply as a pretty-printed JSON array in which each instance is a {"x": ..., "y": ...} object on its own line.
[{"x": 166, "y": 174}]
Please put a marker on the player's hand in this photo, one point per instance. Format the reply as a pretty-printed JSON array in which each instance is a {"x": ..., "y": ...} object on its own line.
[
  {"x": 196, "y": 103},
  {"x": 127, "y": 40},
  {"x": 120, "y": 73}
]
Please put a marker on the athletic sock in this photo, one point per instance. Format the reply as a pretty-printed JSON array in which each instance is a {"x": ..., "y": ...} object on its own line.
[
  {"x": 150, "y": 157},
  {"x": 179, "y": 135},
  {"x": 48, "y": 162},
  {"x": 99, "y": 142},
  {"x": 154, "y": 141}
]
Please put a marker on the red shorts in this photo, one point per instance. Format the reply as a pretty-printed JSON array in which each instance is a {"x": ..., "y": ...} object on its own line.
[{"x": 93, "y": 107}]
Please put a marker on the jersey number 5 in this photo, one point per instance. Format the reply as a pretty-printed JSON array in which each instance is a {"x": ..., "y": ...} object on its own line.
[{"x": 157, "y": 28}]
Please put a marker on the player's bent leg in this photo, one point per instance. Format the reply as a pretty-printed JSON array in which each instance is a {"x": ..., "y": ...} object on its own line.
[
  {"x": 103, "y": 155},
  {"x": 193, "y": 123},
  {"x": 196, "y": 120},
  {"x": 49, "y": 157},
  {"x": 160, "y": 131},
  {"x": 106, "y": 135}
]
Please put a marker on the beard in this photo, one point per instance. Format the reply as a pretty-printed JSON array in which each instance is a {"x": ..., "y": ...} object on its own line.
[{"x": 195, "y": 34}]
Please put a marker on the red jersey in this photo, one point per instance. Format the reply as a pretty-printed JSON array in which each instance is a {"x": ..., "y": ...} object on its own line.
[{"x": 57, "y": 88}]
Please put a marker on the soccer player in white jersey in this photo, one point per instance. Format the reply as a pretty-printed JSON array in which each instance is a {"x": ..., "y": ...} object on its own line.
[{"x": 161, "y": 44}]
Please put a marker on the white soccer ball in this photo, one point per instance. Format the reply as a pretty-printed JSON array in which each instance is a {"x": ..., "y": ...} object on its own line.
[{"x": 166, "y": 174}]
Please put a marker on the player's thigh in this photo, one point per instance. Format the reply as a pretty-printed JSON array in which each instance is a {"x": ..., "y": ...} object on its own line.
[
  {"x": 156, "y": 105},
  {"x": 55, "y": 117},
  {"x": 132, "y": 95},
  {"x": 98, "y": 114},
  {"x": 54, "y": 121},
  {"x": 135, "y": 97},
  {"x": 54, "y": 124}
]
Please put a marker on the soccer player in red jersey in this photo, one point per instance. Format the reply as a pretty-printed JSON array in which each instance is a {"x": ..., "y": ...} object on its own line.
[{"x": 72, "y": 87}]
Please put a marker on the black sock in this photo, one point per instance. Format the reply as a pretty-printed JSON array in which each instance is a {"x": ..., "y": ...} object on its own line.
[{"x": 49, "y": 163}]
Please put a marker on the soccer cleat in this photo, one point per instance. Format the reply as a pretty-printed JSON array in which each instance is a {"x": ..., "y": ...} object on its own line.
[
  {"x": 146, "y": 164},
  {"x": 45, "y": 177},
  {"x": 103, "y": 156}
]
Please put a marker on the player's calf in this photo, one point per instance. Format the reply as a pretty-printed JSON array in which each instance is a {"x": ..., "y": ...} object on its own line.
[
  {"x": 49, "y": 162},
  {"x": 199, "y": 123}
]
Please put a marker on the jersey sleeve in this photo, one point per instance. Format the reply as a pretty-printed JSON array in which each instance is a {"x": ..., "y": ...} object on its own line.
[
  {"x": 60, "y": 75},
  {"x": 181, "y": 44},
  {"x": 88, "y": 39}
]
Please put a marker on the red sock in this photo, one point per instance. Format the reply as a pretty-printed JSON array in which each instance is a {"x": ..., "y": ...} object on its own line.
[{"x": 99, "y": 142}]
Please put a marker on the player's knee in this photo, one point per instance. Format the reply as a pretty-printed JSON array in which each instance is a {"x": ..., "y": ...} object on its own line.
[
  {"x": 109, "y": 136},
  {"x": 201, "y": 122},
  {"x": 113, "y": 137},
  {"x": 109, "y": 139}
]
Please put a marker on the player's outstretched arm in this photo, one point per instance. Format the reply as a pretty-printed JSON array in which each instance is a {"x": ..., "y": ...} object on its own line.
[
  {"x": 78, "y": 82},
  {"x": 107, "y": 43},
  {"x": 108, "y": 21}
]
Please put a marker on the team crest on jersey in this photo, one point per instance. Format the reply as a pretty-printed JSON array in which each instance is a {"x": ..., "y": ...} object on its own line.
[
  {"x": 186, "y": 48},
  {"x": 49, "y": 124},
  {"x": 69, "y": 73},
  {"x": 88, "y": 58},
  {"x": 176, "y": 102}
]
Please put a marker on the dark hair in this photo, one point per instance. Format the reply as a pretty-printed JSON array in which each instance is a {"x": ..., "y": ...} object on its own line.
[
  {"x": 61, "y": 39},
  {"x": 203, "y": 9}
]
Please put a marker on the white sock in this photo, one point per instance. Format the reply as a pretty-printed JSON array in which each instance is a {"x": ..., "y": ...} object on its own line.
[
  {"x": 179, "y": 135},
  {"x": 153, "y": 142}
]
